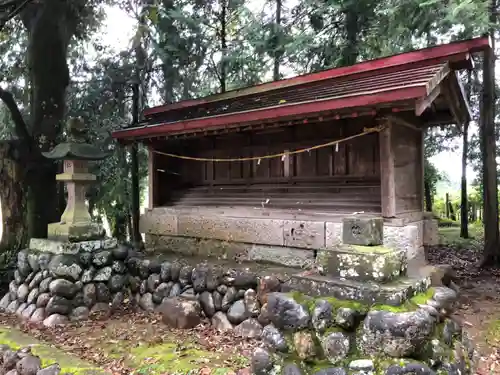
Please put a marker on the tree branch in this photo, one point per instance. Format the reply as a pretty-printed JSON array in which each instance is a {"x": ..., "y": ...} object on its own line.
[
  {"x": 17, "y": 9},
  {"x": 20, "y": 125}
]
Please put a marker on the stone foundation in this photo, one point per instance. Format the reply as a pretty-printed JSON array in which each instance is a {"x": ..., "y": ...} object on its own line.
[{"x": 286, "y": 241}]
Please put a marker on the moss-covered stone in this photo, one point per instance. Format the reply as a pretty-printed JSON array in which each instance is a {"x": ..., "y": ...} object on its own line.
[{"x": 47, "y": 353}]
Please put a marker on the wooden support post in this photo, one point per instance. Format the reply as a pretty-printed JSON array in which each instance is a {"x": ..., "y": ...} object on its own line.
[
  {"x": 151, "y": 177},
  {"x": 387, "y": 182}
]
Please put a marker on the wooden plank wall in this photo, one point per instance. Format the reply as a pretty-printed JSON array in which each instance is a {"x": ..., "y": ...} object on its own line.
[
  {"x": 408, "y": 169},
  {"x": 350, "y": 171}
]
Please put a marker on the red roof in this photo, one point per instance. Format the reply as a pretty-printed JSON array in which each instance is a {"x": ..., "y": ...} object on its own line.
[{"x": 372, "y": 84}]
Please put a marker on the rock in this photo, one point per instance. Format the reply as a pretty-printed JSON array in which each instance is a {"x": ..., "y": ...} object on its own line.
[
  {"x": 303, "y": 342},
  {"x": 102, "y": 258},
  {"x": 44, "y": 260},
  {"x": 55, "y": 320},
  {"x": 362, "y": 365},
  {"x": 207, "y": 303},
  {"x": 251, "y": 302},
  {"x": 88, "y": 275},
  {"x": 153, "y": 282},
  {"x": 161, "y": 292},
  {"x": 291, "y": 369},
  {"x": 220, "y": 322},
  {"x": 103, "y": 274},
  {"x": 36, "y": 280},
  {"x": 264, "y": 317},
  {"x": 85, "y": 258},
  {"x": 42, "y": 300},
  {"x": 23, "y": 264},
  {"x": 250, "y": 328},
  {"x": 165, "y": 274},
  {"x": 410, "y": 369},
  {"x": 237, "y": 313},
  {"x": 5, "y": 301},
  {"x": 9, "y": 360},
  {"x": 134, "y": 282},
  {"x": 120, "y": 252},
  {"x": 79, "y": 313},
  {"x": 147, "y": 267},
  {"x": 117, "y": 300},
  {"x": 266, "y": 285},
  {"x": 217, "y": 297},
  {"x": 21, "y": 308},
  {"x": 63, "y": 288},
  {"x": 22, "y": 292},
  {"x": 44, "y": 285},
  {"x": 222, "y": 289},
  {"x": 100, "y": 307},
  {"x": 58, "y": 305},
  {"x": 32, "y": 296},
  {"x": 285, "y": 313},
  {"x": 180, "y": 313},
  {"x": 13, "y": 289},
  {"x": 445, "y": 297},
  {"x": 185, "y": 274},
  {"x": 336, "y": 346},
  {"x": 29, "y": 365},
  {"x": 89, "y": 295},
  {"x": 175, "y": 291},
  {"x": 322, "y": 315},
  {"x": 54, "y": 369},
  {"x": 133, "y": 265},
  {"x": 274, "y": 339},
  {"x": 261, "y": 362},
  {"x": 146, "y": 303},
  {"x": 240, "y": 294},
  {"x": 119, "y": 267},
  {"x": 199, "y": 278},
  {"x": 240, "y": 279},
  {"x": 116, "y": 283},
  {"x": 13, "y": 306},
  {"x": 143, "y": 288},
  {"x": 102, "y": 292},
  {"x": 28, "y": 311},
  {"x": 396, "y": 334},
  {"x": 229, "y": 298},
  {"x": 175, "y": 270},
  {"x": 38, "y": 315},
  {"x": 346, "y": 318},
  {"x": 18, "y": 278},
  {"x": 332, "y": 371},
  {"x": 65, "y": 266},
  {"x": 189, "y": 294},
  {"x": 451, "y": 330}
]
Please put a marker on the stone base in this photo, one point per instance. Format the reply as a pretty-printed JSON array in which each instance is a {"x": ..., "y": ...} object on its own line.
[
  {"x": 363, "y": 263},
  {"x": 75, "y": 232}
]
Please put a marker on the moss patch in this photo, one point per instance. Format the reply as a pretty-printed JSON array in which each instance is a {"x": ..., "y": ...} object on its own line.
[
  {"x": 493, "y": 335},
  {"x": 371, "y": 249},
  {"x": 47, "y": 353}
]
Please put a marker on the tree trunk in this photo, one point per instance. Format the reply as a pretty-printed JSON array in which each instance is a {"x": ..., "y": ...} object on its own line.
[
  {"x": 464, "y": 204},
  {"x": 428, "y": 196},
  {"x": 350, "y": 51},
  {"x": 278, "y": 42},
  {"x": 49, "y": 31},
  {"x": 223, "y": 45},
  {"x": 491, "y": 255},
  {"x": 12, "y": 202}
]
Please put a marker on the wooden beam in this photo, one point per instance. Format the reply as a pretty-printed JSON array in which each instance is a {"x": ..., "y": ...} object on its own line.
[
  {"x": 425, "y": 102},
  {"x": 387, "y": 175},
  {"x": 454, "y": 102},
  {"x": 403, "y": 122},
  {"x": 151, "y": 177}
]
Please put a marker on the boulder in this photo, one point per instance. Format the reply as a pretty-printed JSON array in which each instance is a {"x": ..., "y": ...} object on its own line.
[
  {"x": 322, "y": 315},
  {"x": 336, "y": 346},
  {"x": 250, "y": 328},
  {"x": 286, "y": 313},
  {"x": 66, "y": 266},
  {"x": 221, "y": 323},
  {"x": 274, "y": 339},
  {"x": 55, "y": 320},
  {"x": 180, "y": 313},
  {"x": 63, "y": 288},
  {"x": 28, "y": 365}
]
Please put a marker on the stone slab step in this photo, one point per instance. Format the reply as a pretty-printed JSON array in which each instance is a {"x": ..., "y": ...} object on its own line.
[
  {"x": 363, "y": 263},
  {"x": 393, "y": 294}
]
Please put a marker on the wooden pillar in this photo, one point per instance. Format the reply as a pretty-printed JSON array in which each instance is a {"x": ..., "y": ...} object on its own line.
[
  {"x": 387, "y": 182},
  {"x": 421, "y": 147},
  {"x": 151, "y": 178}
]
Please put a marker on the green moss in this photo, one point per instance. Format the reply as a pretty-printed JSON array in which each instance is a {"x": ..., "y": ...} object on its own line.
[
  {"x": 310, "y": 302},
  {"x": 422, "y": 298},
  {"x": 173, "y": 358},
  {"x": 48, "y": 354},
  {"x": 493, "y": 335},
  {"x": 371, "y": 249}
]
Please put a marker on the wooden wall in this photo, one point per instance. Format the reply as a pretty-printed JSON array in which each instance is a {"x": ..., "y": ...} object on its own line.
[
  {"x": 408, "y": 169},
  {"x": 346, "y": 177}
]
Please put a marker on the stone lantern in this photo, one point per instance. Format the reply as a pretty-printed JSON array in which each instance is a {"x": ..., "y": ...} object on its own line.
[{"x": 76, "y": 224}]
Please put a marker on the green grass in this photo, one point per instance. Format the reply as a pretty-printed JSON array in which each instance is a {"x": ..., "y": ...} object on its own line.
[{"x": 451, "y": 236}]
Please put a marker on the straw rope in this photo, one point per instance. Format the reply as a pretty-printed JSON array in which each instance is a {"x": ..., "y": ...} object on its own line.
[{"x": 366, "y": 131}]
